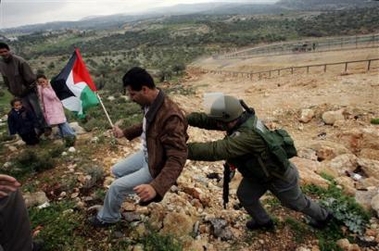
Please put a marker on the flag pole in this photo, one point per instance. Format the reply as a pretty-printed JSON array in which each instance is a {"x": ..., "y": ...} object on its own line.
[{"x": 106, "y": 113}]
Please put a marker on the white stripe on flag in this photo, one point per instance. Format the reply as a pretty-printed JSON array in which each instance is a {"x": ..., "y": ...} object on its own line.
[
  {"x": 73, "y": 104},
  {"x": 75, "y": 88}
]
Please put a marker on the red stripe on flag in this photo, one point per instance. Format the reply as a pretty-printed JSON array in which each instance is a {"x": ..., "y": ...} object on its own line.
[{"x": 80, "y": 72}]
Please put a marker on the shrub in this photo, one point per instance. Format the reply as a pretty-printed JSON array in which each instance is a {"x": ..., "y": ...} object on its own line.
[
  {"x": 153, "y": 241},
  {"x": 6, "y": 137},
  {"x": 97, "y": 174},
  {"x": 344, "y": 208},
  {"x": 29, "y": 162},
  {"x": 346, "y": 211},
  {"x": 56, "y": 151}
]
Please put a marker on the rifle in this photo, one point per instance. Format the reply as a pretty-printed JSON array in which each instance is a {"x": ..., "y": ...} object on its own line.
[
  {"x": 248, "y": 109},
  {"x": 229, "y": 171},
  {"x": 228, "y": 175}
]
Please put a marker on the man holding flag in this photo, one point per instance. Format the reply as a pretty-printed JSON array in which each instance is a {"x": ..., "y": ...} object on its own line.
[
  {"x": 74, "y": 86},
  {"x": 151, "y": 171}
]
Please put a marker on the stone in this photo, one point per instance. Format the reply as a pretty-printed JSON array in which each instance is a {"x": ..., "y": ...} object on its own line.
[
  {"x": 330, "y": 117},
  {"x": 375, "y": 204}
]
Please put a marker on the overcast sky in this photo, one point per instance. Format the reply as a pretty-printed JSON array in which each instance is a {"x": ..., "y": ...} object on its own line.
[{"x": 15, "y": 13}]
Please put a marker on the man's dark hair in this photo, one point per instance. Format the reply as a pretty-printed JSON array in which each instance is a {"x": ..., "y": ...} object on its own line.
[
  {"x": 136, "y": 78},
  {"x": 4, "y": 46},
  {"x": 15, "y": 100}
]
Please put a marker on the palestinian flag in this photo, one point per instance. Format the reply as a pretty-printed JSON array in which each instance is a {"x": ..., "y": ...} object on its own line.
[{"x": 74, "y": 86}]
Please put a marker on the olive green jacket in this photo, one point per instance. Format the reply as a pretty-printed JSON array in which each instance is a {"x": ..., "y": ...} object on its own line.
[{"x": 241, "y": 147}]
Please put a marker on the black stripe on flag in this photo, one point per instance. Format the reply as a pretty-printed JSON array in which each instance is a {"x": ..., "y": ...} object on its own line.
[{"x": 58, "y": 83}]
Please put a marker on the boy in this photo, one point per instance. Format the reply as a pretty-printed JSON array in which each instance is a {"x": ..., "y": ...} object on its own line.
[{"x": 22, "y": 122}]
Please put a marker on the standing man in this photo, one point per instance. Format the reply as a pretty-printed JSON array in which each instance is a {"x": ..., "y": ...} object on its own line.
[
  {"x": 244, "y": 149},
  {"x": 151, "y": 171},
  {"x": 21, "y": 82}
]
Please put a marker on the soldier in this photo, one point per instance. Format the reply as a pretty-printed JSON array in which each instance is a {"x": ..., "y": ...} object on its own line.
[{"x": 244, "y": 149}]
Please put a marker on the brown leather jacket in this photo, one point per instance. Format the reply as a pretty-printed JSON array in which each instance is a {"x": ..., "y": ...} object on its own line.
[{"x": 166, "y": 136}]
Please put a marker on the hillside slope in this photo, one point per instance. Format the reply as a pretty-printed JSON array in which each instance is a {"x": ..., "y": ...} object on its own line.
[
  {"x": 280, "y": 100},
  {"x": 73, "y": 190}
]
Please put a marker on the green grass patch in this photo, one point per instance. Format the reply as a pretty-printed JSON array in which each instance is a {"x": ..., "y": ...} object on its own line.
[
  {"x": 327, "y": 238},
  {"x": 5, "y": 98},
  {"x": 345, "y": 210},
  {"x": 153, "y": 241},
  {"x": 299, "y": 229},
  {"x": 4, "y": 135},
  {"x": 58, "y": 224},
  {"x": 375, "y": 121},
  {"x": 343, "y": 207},
  {"x": 30, "y": 161},
  {"x": 272, "y": 201}
]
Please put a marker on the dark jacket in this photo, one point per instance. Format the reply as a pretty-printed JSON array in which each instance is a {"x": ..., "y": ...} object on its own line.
[
  {"x": 241, "y": 147},
  {"x": 166, "y": 136},
  {"x": 18, "y": 76},
  {"x": 22, "y": 121}
]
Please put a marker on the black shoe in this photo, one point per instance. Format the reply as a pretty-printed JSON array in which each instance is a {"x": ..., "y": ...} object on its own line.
[
  {"x": 321, "y": 224},
  {"x": 95, "y": 222},
  {"x": 37, "y": 245},
  {"x": 47, "y": 131},
  {"x": 252, "y": 225},
  {"x": 39, "y": 132}
]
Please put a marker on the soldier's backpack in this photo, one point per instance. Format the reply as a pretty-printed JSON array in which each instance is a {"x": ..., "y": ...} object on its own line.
[{"x": 279, "y": 142}]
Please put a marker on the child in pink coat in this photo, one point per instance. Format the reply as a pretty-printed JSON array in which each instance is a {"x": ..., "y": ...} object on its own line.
[{"x": 53, "y": 108}]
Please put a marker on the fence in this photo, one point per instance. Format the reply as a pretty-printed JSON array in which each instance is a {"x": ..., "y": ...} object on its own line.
[
  {"x": 368, "y": 65},
  {"x": 307, "y": 46}
]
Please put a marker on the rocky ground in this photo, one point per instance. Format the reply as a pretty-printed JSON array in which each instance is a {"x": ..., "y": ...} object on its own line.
[
  {"x": 328, "y": 114},
  {"x": 282, "y": 101}
]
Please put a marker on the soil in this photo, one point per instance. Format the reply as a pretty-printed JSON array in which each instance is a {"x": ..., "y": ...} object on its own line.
[{"x": 281, "y": 98}]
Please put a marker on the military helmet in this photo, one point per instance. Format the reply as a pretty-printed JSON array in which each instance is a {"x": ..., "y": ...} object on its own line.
[{"x": 226, "y": 108}]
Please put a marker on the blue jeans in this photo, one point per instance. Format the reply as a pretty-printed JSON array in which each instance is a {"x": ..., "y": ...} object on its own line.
[
  {"x": 65, "y": 130},
  {"x": 129, "y": 172}
]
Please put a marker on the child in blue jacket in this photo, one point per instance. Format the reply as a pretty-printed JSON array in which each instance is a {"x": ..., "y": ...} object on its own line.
[{"x": 22, "y": 122}]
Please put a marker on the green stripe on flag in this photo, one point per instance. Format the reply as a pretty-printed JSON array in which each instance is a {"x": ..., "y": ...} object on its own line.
[{"x": 88, "y": 98}]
